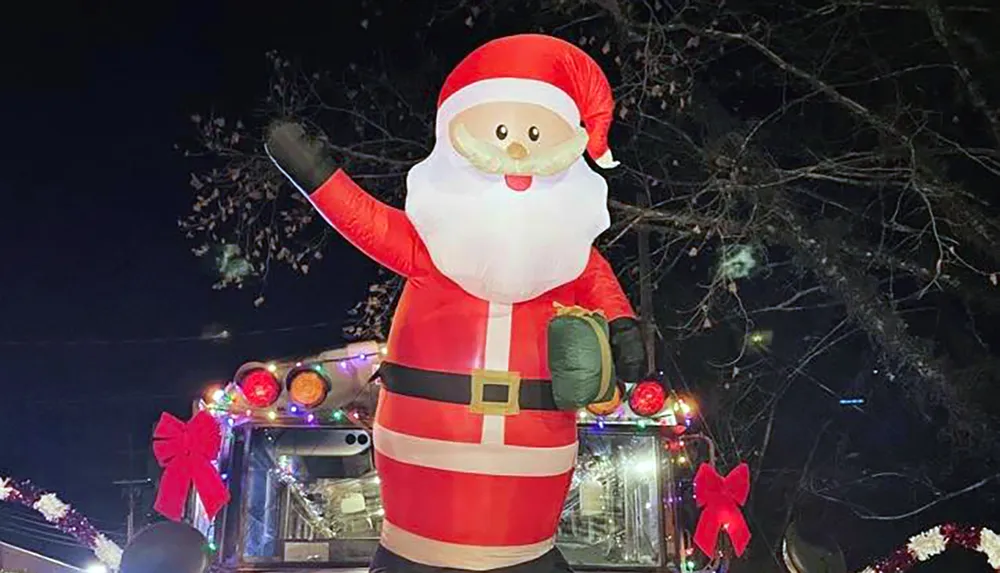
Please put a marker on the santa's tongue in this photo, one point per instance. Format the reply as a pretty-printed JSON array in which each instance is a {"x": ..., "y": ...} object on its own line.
[{"x": 518, "y": 182}]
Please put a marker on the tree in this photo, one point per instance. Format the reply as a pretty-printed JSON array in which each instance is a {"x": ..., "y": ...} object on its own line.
[{"x": 817, "y": 178}]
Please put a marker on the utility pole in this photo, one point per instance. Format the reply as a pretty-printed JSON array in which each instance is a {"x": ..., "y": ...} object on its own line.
[
  {"x": 131, "y": 488},
  {"x": 647, "y": 320}
]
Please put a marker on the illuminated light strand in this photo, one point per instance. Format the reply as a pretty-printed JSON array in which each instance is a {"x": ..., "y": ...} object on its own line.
[
  {"x": 288, "y": 367},
  {"x": 229, "y": 402},
  {"x": 936, "y": 541},
  {"x": 222, "y": 407},
  {"x": 64, "y": 518},
  {"x": 237, "y": 417},
  {"x": 676, "y": 414}
]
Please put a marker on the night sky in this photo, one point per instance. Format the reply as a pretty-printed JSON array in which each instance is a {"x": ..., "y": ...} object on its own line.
[
  {"x": 99, "y": 288},
  {"x": 101, "y": 301}
]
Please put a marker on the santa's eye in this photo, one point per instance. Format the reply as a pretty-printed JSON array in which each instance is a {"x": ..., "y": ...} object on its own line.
[
  {"x": 533, "y": 133},
  {"x": 501, "y": 132}
]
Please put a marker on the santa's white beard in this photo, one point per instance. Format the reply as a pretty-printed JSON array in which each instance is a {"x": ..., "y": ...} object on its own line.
[{"x": 502, "y": 245}]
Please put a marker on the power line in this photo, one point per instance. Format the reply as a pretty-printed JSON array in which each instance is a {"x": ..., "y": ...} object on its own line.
[
  {"x": 39, "y": 526},
  {"x": 217, "y": 337},
  {"x": 16, "y": 513},
  {"x": 105, "y": 400},
  {"x": 30, "y": 527},
  {"x": 25, "y": 534}
]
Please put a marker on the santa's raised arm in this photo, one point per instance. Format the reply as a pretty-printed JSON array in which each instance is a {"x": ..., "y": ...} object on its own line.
[
  {"x": 378, "y": 230},
  {"x": 474, "y": 453}
]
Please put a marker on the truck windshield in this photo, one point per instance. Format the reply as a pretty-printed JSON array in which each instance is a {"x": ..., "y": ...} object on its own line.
[{"x": 311, "y": 496}]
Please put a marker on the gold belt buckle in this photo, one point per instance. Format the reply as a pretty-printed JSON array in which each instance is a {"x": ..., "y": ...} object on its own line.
[{"x": 481, "y": 379}]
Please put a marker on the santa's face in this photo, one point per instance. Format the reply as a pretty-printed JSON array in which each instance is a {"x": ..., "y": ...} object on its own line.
[
  {"x": 516, "y": 140},
  {"x": 505, "y": 203}
]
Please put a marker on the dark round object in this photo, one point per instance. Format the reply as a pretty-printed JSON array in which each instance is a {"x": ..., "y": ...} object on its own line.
[
  {"x": 810, "y": 548},
  {"x": 533, "y": 133},
  {"x": 501, "y": 132},
  {"x": 166, "y": 547},
  {"x": 362, "y": 439},
  {"x": 350, "y": 439}
]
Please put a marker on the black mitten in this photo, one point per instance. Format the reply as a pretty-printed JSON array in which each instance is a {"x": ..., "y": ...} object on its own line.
[
  {"x": 628, "y": 349},
  {"x": 300, "y": 157}
]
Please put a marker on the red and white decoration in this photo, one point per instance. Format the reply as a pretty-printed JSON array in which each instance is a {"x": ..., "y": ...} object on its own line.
[
  {"x": 500, "y": 245},
  {"x": 537, "y": 69},
  {"x": 936, "y": 541},
  {"x": 64, "y": 517},
  {"x": 488, "y": 263}
]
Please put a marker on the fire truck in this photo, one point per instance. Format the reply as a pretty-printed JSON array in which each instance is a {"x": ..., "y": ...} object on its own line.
[{"x": 297, "y": 456}]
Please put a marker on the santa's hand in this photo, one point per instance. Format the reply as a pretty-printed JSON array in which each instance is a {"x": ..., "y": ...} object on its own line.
[
  {"x": 299, "y": 156},
  {"x": 627, "y": 349}
]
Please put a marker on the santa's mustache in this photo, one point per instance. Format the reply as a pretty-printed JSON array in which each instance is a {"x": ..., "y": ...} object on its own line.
[{"x": 491, "y": 159}]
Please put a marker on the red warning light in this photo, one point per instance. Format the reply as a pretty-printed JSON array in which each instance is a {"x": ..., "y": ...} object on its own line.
[
  {"x": 647, "y": 398},
  {"x": 260, "y": 387}
]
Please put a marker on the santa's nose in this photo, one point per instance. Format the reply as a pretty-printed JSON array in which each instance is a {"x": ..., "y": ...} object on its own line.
[{"x": 517, "y": 151}]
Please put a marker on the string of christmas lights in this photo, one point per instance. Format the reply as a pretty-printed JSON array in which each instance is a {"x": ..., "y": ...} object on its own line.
[
  {"x": 646, "y": 403},
  {"x": 936, "y": 541},
  {"x": 238, "y": 402},
  {"x": 63, "y": 517},
  {"x": 670, "y": 411}
]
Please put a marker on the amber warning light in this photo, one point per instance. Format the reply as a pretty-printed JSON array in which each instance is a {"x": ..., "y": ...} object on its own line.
[{"x": 307, "y": 386}]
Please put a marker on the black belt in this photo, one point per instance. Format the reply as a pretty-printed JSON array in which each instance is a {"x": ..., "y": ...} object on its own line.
[{"x": 484, "y": 391}]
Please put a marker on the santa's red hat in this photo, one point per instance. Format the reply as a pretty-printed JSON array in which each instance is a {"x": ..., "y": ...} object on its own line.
[{"x": 539, "y": 69}]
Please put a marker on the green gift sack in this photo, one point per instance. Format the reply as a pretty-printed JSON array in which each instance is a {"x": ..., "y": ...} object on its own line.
[{"x": 580, "y": 358}]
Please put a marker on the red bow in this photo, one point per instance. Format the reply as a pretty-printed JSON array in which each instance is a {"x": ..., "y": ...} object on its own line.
[
  {"x": 721, "y": 498},
  {"x": 185, "y": 451}
]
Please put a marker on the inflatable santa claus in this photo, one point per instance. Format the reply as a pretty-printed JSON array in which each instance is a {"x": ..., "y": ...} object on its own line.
[{"x": 474, "y": 451}]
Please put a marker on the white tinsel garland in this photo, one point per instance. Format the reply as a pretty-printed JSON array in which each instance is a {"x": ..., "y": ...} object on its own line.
[
  {"x": 64, "y": 517},
  {"x": 989, "y": 544},
  {"x": 107, "y": 552},
  {"x": 927, "y": 544},
  {"x": 51, "y": 507},
  {"x": 936, "y": 541}
]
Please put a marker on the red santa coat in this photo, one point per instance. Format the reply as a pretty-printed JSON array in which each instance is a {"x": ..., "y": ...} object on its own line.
[{"x": 460, "y": 489}]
